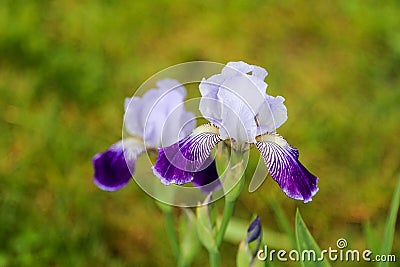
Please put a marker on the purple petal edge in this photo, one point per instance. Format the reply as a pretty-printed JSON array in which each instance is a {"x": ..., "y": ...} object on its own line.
[
  {"x": 167, "y": 172},
  {"x": 205, "y": 179},
  {"x": 285, "y": 168},
  {"x": 111, "y": 171},
  {"x": 189, "y": 161}
]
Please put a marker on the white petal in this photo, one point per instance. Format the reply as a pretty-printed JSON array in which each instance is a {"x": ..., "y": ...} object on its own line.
[
  {"x": 237, "y": 118},
  {"x": 146, "y": 116},
  {"x": 246, "y": 89},
  {"x": 272, "y": 114},
  {"x": 259, "y": 72},
  {"x": 133, "y": 116},
  {"x": 210, "y": 106},
  {"x": 171, "y": 84},
  {"x": 235, "y": 68}
]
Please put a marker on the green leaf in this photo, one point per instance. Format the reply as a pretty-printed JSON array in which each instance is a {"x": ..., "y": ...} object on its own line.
[
  {"x": 305, "y": 242},
  {"x": 283, "y": 222},
  {"x": 370, "y": 235},
  {"x": 244, "y": 255},
  {"x": 390, "y": 225}
]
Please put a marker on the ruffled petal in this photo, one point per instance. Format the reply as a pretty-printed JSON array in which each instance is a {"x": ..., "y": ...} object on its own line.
[
  {"x": 285, "y": 168},
  {"x": 232, "y": 68},
  {"x": 239, "y": 66},
  {"x": 210, "y": 107},
  {"x": 259, "y": 72},
  {"x": 234, "y": 99},
  {"x": 114, "y": 168},
  {"x": 272, "y": 114},
  {"x": 178, "y": 163}
]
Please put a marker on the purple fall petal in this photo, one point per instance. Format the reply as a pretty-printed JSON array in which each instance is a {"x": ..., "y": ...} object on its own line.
[
  {"x": 285, "y": 168},
  {"x": 178, "y": 163},
  {"x": 167, "y": 172},
  {"x": 114, "y": 168},
  {"x": 207, "y": 179}
]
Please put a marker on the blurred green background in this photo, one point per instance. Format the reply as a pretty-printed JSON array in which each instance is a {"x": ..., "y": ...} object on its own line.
[{"x": 66, "y": 67}]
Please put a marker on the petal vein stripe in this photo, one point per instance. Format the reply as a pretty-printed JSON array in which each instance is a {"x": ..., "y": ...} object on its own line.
[
  {"x": 177, "y": 163},
  {"x": 285, "y": 168}
]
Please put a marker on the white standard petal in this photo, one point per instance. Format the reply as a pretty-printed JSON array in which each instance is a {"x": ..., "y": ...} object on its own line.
[
  {"x": 234, "y": 68},
  {"x": 146, "y": 116},
  {"x": 177, "y": 125},
  {"x": 272, "y": 114},
  {"x": 238, "y": 121},
  {"x": 210, "y": 106},
  {"x": 236, "y": 101},
  {"x": 247, "y": 81},
  {"x": 132, "y": 118},
  {"x": 171, "y": 84},
  {"x": 259, "y": 72},
  {"x": 246, "y": 89},
  {"x": 137, "y": 118},
  {"x": 167, "y": 119}
]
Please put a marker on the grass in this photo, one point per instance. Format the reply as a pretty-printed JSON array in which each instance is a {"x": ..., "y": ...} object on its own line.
[{"x": 66, "y": 67}]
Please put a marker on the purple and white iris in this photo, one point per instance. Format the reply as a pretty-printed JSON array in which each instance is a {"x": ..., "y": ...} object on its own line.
[
  {"x": 241, "y": 112},
  {"x": 159, "y": 117}
]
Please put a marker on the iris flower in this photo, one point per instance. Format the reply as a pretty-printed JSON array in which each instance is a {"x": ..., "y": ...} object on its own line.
[
  {"x": 243, "y": 114},
  {"x": 159, "y": 117}
]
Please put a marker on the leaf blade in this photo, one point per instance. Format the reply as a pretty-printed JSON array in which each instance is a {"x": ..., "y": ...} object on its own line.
[
  {"x": 305, "y": 242},
  {"x": 390, "y": 226}
]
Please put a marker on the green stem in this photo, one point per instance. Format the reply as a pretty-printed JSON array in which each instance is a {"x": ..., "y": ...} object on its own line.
[
  {"x": 172, "y": 236},
  {"x": 234, "y": 188},
  {"x": 181, "y": 263},
  {"x": 230, "y": 200},
  {"x": 215, "y": 259},
  {"x": 227, "y": 215}
]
